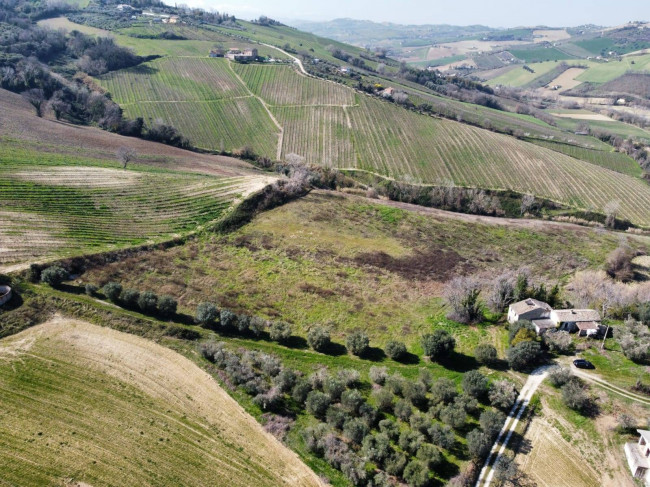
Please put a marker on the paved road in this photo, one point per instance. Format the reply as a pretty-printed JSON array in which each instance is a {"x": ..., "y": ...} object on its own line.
[{"x": 534, "y": 380}]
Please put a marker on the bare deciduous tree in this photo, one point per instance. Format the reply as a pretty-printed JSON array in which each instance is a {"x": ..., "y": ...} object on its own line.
[
  {"x": 125, "y": 155},
  {"x": 612, "y": 210},
  {"x": 36, "y": 98},
  {"x": 527, "y": 203},
  {"x": 462, "y": 295}
]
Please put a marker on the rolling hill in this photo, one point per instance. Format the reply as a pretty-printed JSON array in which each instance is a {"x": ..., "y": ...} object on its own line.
[
  {"x": 87, "y": 405},
  {"x": 64, "y": 191},
  {"x": 277, "y": 111}
]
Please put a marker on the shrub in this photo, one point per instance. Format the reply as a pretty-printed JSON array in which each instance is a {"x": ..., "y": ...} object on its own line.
[
  {"x": 443, "y": 390},
  {"x": 270, "y": 400},
  {"x": 301, "y": 390},
  {"x": 395, "y": 383},
  {"x": 441, "y": 435},
  {"x": 167, "y": 306},
  {"x": 318, "y": 338},
  {"x": 403, "y": 410},
  {"x": 355, "y": 430},
  {"x": 54, "y": 275},
  {"x": 279, "y": 331},
  {"x": 243, "y": 323},
  {"x": 503, "y": 394},
  {"x": 129, "y": 297},
  {"x": 626, "y": 423},
  {"x": 468, "y": 403},
  {"x": 228, "y": 319},
  {"x": 257, "y": 325},
  {"x": 429, "y": 455},
  {"x": 206, "y": 313},
  {"x": 351, "y": 400},
  {"x": 369, "y": 414},
  {"x": 506, "y": 471},
  {"x": 333, "y": 387},
  {"x": 395, "y": 350},
  {"x": 492, "y": 422},
  {"x": 416, "y": 393},
  {"x": 378, "y": 375},
  {"x": 560, "y": 376},
  {"x": 148, "y": 302},
  {"x": 438, "y": 345},
  {"x": 486, "y": 354},
  {"x": 389, "y": 428},
  {"x": 285, "y": 380},
  {"x": 395, "y": 463},
  {"x": 515, "y": 327},
  {"x": 454, "y": 416},
  {"x": 357, "y": 343},
  {"x": 91, "y": 289},
  {"x": 112, "y": 291},
  {"x": 559, "y": 341},
  {"x": 524, "y": 355},
  {"x": 478, "y": 444},
  {"x": 335, "y": 417},
  {"x": 575, "y": 396},
  {"x": 410, "y": 441},
  {"x": 313, "y": 436},
  {"x": 475, "y": 384},
  {"x": 416, "y": 474},
  {"x": 377, "y": 447},
  {"x": 317, "y": 403},
  {"x": 349, "y": 377}
]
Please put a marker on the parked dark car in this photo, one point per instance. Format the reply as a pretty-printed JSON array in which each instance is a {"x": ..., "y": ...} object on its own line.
[{"x": 583, "y": 364}]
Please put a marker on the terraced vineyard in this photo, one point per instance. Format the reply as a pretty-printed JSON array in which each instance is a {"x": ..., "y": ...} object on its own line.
[
  {"x": 319, "y": 134},
  {"x": 51, "y": 210},
  {"x": 282, "y": 85}
]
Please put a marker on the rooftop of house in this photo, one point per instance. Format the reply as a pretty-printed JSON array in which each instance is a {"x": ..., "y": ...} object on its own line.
[
  {"x": 543, "y": 323},
  {"x": 529, "y": 305},
  {"x": 576, "y": 315},
  {"x": 587, "y": 325}
]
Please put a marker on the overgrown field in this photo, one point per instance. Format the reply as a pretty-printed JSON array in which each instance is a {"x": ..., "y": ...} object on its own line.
[
  {"x": 87, "y": 405},
  {"x": 351, "y": 264}
]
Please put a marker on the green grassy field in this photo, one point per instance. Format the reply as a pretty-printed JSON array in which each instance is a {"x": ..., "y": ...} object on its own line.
[
  {"x": 539, "y": 54},
  {"x": 348, "y": 263},
  {"x": 86, "y": 405}
]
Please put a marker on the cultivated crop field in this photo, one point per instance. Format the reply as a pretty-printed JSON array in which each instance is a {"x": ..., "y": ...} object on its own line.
[
  {"x": 174, "y": 79},
  {"x": 85, "y": 205},
  {"x": 282, "y": 85},
  {"x": 87, "y": 405},
  {"x": 320, "y": 134}
]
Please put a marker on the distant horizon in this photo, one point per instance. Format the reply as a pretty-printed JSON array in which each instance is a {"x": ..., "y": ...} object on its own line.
[{"x": 496, "y": 14}]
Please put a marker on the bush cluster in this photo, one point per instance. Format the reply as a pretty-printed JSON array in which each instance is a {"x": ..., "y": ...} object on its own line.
[{"x": 147, "y": 302}]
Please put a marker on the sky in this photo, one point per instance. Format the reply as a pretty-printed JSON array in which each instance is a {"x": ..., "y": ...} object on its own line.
[{"x": 494, "y": 13}]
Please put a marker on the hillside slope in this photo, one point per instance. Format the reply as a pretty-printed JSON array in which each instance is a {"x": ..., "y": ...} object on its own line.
[
  {"x": 65, "y": 193},
  {"x": 150, "y": 416},
  {"x": 286, "y": 112}
]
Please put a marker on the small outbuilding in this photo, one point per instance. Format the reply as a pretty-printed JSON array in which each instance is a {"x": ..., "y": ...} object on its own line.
[{"x": 637, "y": 457}]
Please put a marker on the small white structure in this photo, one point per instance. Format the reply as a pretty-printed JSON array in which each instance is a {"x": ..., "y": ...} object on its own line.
[
  {"x": 5, "y": 294},
  {"x": 637, "y": 457},
  {"x": 585, "y": 321}
]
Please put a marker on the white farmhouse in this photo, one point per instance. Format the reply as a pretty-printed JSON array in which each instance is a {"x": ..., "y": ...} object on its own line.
[
  {"x": 537, "y": 312},
  {"x": 637, "y": 457}
]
